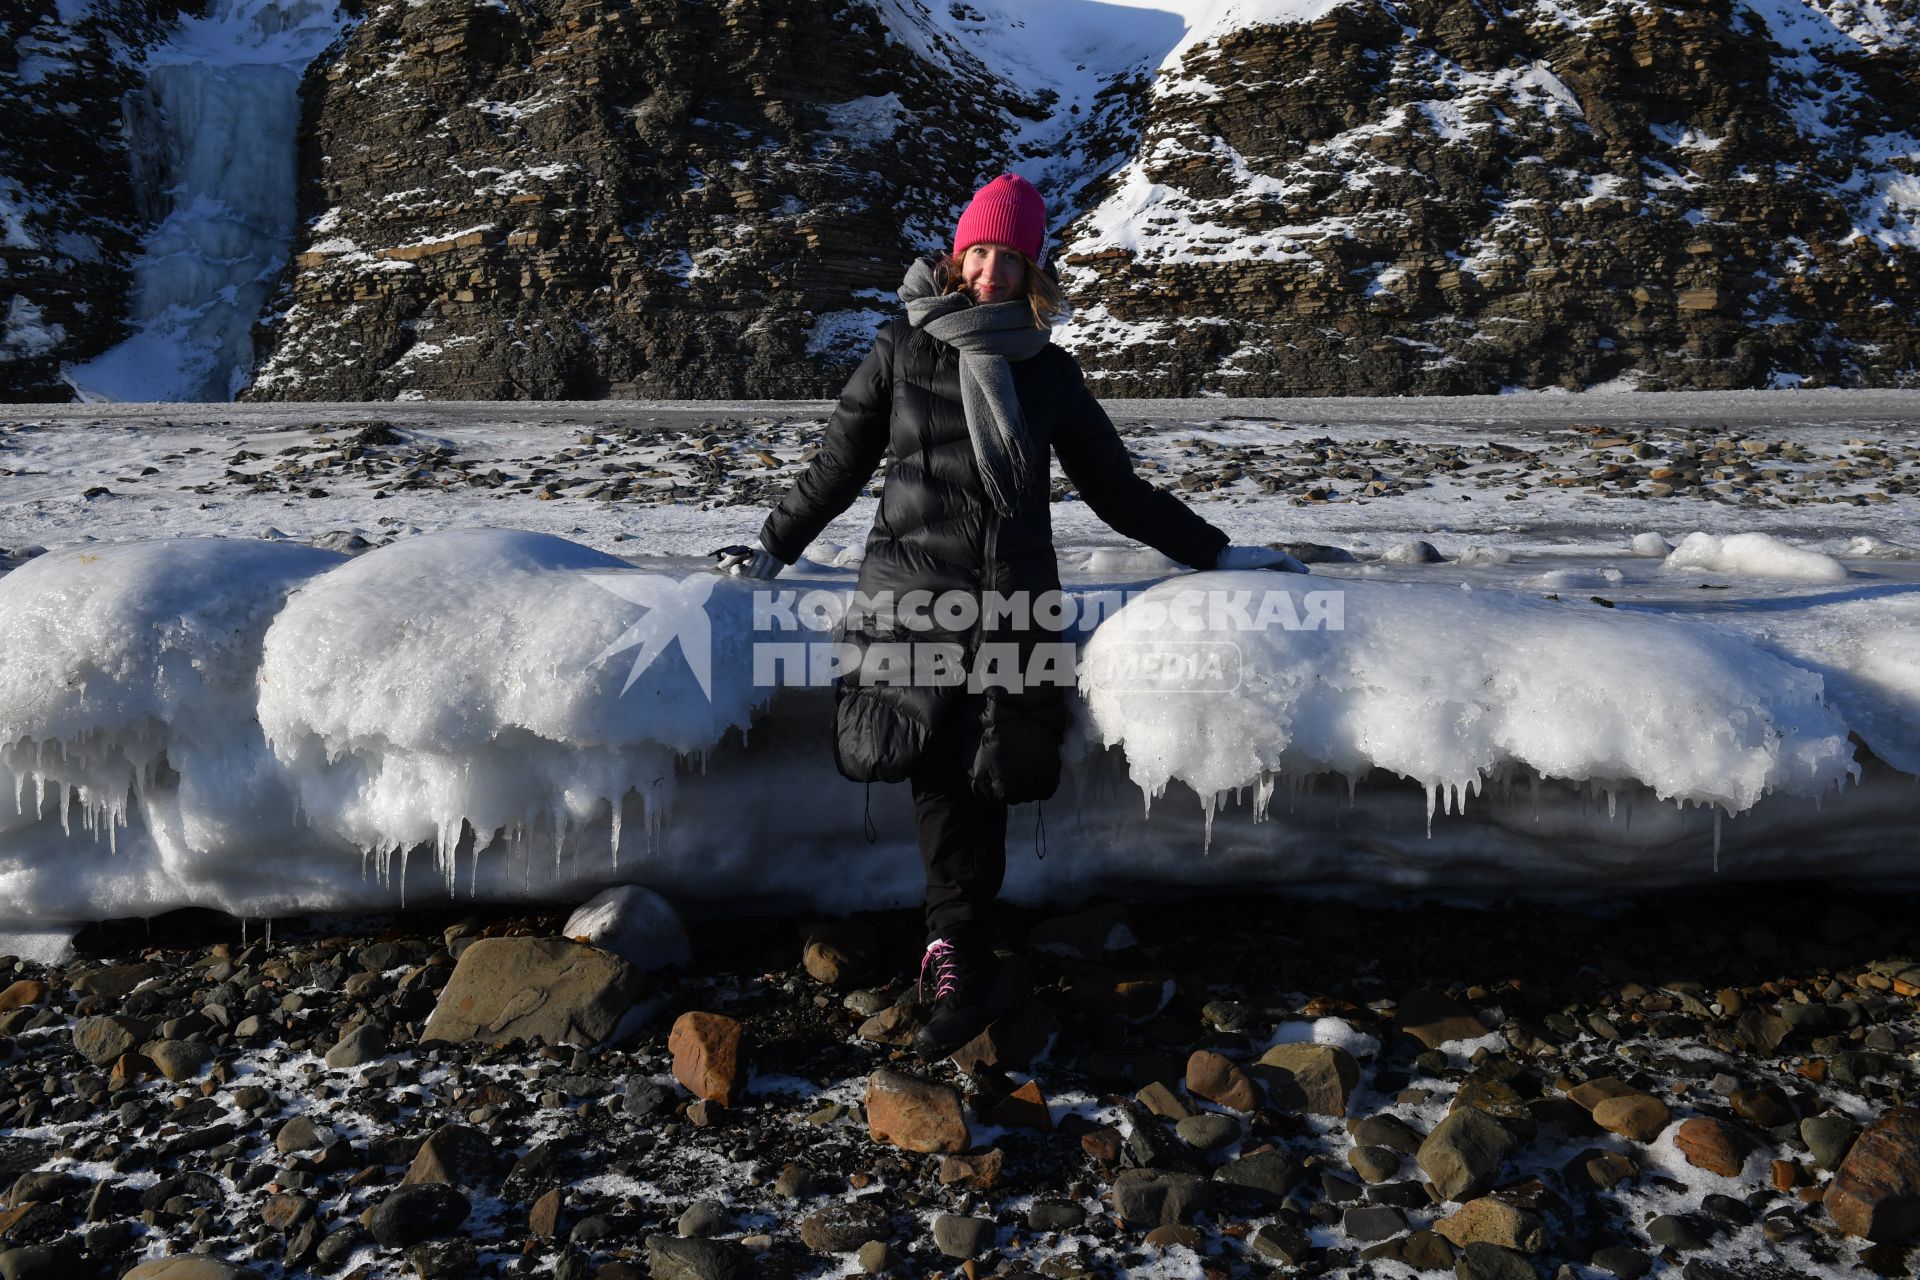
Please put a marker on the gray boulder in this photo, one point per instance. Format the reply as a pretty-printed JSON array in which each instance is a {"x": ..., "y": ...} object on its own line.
[
  {"x": 550, "y": 989},
  {"x": 1463, "y": 1154}
]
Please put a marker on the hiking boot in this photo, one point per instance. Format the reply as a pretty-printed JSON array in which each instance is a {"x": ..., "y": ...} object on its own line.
[{"x": 969, "y": 989}]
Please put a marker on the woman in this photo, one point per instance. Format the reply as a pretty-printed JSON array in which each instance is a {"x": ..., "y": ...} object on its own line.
[{"x": 969, "y": 394}]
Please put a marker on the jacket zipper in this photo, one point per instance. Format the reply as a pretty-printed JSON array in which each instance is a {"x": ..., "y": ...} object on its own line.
[{"x": 992, "y": 577}]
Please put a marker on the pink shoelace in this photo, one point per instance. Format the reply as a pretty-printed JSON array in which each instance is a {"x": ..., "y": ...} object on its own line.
[{"x": 939, "y": 958}]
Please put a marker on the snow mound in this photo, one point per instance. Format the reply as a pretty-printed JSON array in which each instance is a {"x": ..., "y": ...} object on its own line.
[
  {"x": 1752, "y": 555},
  {"x": 133, "y": 661},
  {"x": 1453, "y": 689},
  {"x": 1337, "y": 1032},
  {"x": 1867, "y": 649},
  {"x": 492, "y": 683}
]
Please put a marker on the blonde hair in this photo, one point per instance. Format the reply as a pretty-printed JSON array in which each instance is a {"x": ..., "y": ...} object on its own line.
[{"x": 1043, "y": 294}]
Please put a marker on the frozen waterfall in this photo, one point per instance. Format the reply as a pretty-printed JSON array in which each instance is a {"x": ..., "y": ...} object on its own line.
[{"x": 212, "y": 133}]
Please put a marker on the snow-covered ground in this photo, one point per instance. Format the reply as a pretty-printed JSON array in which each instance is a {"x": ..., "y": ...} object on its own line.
[
  {"x": 219, "y": 470},
  {"x": 224, "y": 688}
]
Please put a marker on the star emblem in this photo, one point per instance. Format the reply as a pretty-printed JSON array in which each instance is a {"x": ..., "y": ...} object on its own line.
[{"x": 675, "y": 611}]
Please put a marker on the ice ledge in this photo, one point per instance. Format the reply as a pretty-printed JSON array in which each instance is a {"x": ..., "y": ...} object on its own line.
[{"x": 266, "y": 728}]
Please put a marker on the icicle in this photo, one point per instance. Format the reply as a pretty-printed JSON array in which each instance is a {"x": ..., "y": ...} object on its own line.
[
  {"x": 453, "y": 857},
  {"x": 614, "y": 832},
  {"x": 1206, "y": 821},
  {"x": 1433, "y": 801}
]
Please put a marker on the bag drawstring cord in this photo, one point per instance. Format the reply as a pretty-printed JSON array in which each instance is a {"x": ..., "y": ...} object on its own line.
[
  {"x": 1040, "y": 830},
  {"x": 872, "y": 833}
]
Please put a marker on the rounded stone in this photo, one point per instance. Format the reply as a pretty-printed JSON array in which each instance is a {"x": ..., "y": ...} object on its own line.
[
  {"x": 1639, "y": 1116},
  {"x": 1208, "y": 1131},
  {"x": 962, "y": 1237},
  {"x": 416, "y": 1213}
]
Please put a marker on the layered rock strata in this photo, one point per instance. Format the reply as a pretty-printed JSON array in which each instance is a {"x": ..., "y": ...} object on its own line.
[
  {"x": 569, "y": 198},
  {"x": 1416, "y": 199}
]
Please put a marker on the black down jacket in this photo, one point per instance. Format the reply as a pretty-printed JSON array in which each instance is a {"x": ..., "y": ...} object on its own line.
[{"x": 937, "y": 531}]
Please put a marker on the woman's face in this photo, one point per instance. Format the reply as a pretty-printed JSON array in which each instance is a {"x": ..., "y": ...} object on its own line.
[{"x": 993, "y": 273}]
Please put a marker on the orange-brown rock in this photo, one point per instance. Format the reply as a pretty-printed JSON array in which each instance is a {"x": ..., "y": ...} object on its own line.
[
  {"x": 980, "y": 1171},
  {"x": 21, "y": 994},
  {"x": 1875, "y": 1194},
  {"x": 708, "y": 1055},
  {"x": 1592, "y": 1093},
  {"x": 1766, "y": 1106},
  {"x": 1315, "y": 1078},
  {"x": 1433, "y": 1019},
  {"x": 1013, "y": 1042},
  {"x": 128, "y": 1068},
  {"x": 1024, "y": 1108},
  {"x": 837, "y": 951},
  {"x": 1173, "y": 1233},
  {"x": 1135, "y": 995},
  {"x": 1216, "y": 1077},
  {"x": 543, "y": 1219},
  {"x": 1715, "y": 1145},
  {"x": 1102, "y": 1144},
  {"x": 913, "y": 1114}
]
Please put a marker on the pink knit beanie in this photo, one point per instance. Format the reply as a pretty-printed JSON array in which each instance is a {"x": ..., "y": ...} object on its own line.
[{"x": 1006, "y": 211}]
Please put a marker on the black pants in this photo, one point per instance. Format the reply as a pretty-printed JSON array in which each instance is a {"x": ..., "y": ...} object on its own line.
[{"x": 963, "y": 840}]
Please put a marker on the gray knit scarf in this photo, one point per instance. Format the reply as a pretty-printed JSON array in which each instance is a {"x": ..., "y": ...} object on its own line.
[{"x": 987, "y": 336}]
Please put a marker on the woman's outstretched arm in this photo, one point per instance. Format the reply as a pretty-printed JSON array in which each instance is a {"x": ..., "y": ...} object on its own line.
[
  {"x": 856, "y": 438},
  {"x": 1095, "y": 460}
]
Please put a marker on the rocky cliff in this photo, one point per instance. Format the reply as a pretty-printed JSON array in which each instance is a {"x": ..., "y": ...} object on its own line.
[
  {"x": 1427, "y": 198},
  {"x": 681, "y": 198},
  {"x": 575, "y": 198}
]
